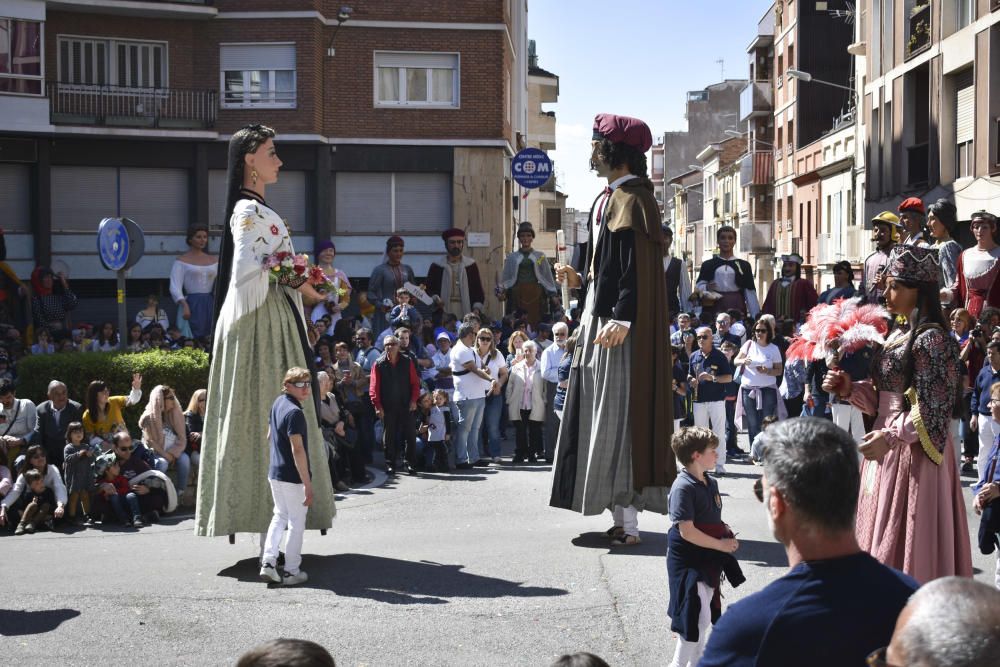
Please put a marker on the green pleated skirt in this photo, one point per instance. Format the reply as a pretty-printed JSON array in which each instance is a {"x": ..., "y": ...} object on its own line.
[{"x": 249, "y": 361}]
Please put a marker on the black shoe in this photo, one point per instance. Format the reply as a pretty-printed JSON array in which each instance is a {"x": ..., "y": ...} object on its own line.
[
  {"x": 517, "y": 459},
  {"x": 463, "y": 466},
  {"x": 532, "y": 459},
  {"x": 411, "y": 470},
  {"x": 482, "y": 463},
  {"x": 390, "y": 471}
]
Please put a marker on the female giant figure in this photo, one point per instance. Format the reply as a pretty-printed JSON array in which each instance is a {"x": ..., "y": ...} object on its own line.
[{"x": 259, "y": 334}]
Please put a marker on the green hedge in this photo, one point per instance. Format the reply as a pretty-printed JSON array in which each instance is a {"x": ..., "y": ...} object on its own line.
[{"x": 185, "y": 370}]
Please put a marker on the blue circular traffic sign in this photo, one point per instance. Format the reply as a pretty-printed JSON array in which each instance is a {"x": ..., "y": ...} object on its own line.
[
  {"x": 531, "y": 168},
  {"x": 113, "y": 244}
]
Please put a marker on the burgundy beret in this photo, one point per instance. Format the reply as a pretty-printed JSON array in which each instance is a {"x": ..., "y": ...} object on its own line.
[
  {"x": 393, "y": 242},
  {"x": 453, "y": 233},
  {"x": 623, "y": 129}
]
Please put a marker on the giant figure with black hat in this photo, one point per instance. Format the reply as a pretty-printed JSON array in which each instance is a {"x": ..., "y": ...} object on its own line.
[
  {"x": 453, "y": 281},
  {"x": 527, "y": 280},
  {"x": 613, "y": 450},
  {"x": 790, "y": 297}
]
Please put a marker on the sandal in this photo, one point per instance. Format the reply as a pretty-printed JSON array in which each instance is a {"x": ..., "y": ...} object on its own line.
[
  {"x": 624, "y": 540},
  {"x": 615, "y": 532}
]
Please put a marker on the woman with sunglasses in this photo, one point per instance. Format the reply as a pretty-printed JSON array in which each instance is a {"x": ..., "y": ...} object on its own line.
[
  {"x": 761, "y": 362},
  {"x": 490, "y": 360},
  {"x": 911, "y": 513},
  {"x": 164, "y": 431}
]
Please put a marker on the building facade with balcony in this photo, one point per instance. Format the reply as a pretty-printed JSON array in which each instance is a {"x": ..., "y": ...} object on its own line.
[
  {"x": 930, "y": 102},
  {"x": 545, "y": 206},
  {"x": 757, "y": 164},
  {"x": 811, "y": 38},
  {"x": 402, "y": 125},
  {"x": 688, "y": 210},
  {"x": 721, "y": 194}
]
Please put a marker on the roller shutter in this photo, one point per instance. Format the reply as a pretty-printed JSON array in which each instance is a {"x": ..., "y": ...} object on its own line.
[
  {"x": 157, "y": 199},
  {"x": 82, "y": 197},
  {"x": 15, "y": 190}
]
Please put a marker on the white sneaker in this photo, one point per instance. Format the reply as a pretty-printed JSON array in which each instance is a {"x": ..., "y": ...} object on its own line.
[
  {"x": 289, "y": 579},
  {"x": 497, "y": 459},
  {"x": 269, "y": 573}
]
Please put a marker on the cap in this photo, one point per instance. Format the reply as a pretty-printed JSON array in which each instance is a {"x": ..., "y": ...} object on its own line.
[
  {"x": 912, "y": 204},
  {"x": 443, "y": 336},
  {"x": 325, "y": 244},
  {"x": 453, "y": 233},
  {"x": 623, "y": 129}
]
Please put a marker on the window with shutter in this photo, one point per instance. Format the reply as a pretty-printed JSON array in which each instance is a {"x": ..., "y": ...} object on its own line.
[
  {"x": 965, "y": 123},
  {"x": 82, "y": 197},
  {"x": 257, "y": 75},
  {"x": 392, "y": 203},
  {"x": 416, "y": 79},
  {"x": 157, "y": 199}
]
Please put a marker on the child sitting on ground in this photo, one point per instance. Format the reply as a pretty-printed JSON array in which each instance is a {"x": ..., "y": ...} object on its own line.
[
  {"x": 699, "y": 545},
  {"x": 78, "y": 472},
  {"x": 41, "y": 502},
  {"x": 116, "y": 490},
  {"x": 755, "y": 447}
]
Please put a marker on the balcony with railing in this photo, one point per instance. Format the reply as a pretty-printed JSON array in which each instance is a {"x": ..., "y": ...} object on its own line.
[
  {"x": 755, "y": 100},
  {"x": 756, "y": 237},
  {"x": 116, "y": 106},
  {"x": 187, "y": 9}
]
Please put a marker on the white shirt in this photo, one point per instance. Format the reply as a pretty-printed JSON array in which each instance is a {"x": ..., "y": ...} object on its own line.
[
  {"x": 53, "y": 480},
  {"x": 191, "y": 279},
  {"x": 25, "y": 421},
  {"x": 769, "y": 356},
  {"x": 468, "y": 385}
]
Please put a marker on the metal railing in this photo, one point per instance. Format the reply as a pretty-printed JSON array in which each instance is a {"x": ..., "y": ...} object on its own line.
[{"x": 174, "y": 108}]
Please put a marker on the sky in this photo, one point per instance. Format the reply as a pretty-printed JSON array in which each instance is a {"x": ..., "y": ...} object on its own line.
[{"x": 634, "y": 58}]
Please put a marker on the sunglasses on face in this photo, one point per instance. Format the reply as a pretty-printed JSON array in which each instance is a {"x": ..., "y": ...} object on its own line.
[
  {"x": 703, "y": 337},
  {"x": 302, "y": 384}
]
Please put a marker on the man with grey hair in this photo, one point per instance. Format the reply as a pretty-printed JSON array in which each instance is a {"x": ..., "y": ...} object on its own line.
[
  {"x": 836, "y": 604},
  {"x": 949, "y": 622},
  {"x": 551, "y": 357},
  {"x": 394, "y": 388},
  {"x": 52, "y": 418},
  {"x": 709, "y": 373}
]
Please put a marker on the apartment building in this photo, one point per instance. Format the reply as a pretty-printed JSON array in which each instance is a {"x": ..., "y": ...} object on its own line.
[
  {"x": 757, "y": 164},
  {"x": 930, "y": 102},
  {"x": 722, "y": 193},
  {"x": 399, "y": 120},
  {"x": 544, "y": 207},
  {"x": 812, "y": 76},
  {"x": 687, "y": 211}
]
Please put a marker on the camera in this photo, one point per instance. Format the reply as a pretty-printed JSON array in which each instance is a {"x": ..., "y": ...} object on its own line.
[{"x": 977, "y": 332}]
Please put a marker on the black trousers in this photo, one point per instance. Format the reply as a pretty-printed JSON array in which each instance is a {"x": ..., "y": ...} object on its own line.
[
  {"x": 398, "y": 425},
  {"x": 529, "y": 437}
]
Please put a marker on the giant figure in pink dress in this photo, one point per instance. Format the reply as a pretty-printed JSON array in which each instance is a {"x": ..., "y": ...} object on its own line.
[{"x": 911, "y": 514}]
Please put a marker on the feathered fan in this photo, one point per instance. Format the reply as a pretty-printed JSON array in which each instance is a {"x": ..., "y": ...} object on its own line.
[{"x": 843, "y": 327}]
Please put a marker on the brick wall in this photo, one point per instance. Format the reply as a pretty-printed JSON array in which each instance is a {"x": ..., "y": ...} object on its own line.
[{"x": 460, "y": 11}]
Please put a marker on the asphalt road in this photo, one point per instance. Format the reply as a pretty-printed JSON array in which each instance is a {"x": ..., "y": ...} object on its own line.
[{"x": 470, "y": 569}]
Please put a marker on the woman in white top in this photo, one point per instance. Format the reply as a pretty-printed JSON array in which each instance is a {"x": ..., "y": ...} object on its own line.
[
  {"x": 526, "y": 404},
  {"x": 762, "y": 366},
  {"x": 34, "y": 458},
  {"x": 153, "y": 313},
  {"x": 164, "y": 432},
  {"x": 490, "y": 360},
  {"x": 192, "y": 280}
]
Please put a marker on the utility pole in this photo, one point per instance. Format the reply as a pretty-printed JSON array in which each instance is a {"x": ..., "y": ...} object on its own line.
[{"x": 722, "y": 69}]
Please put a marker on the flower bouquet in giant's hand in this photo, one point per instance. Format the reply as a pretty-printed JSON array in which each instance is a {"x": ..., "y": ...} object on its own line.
[{"x": 285, "y": 268}]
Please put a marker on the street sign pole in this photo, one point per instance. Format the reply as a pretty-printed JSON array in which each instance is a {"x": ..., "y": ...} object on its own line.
[
  {"x": 122, "y": 315},
  {"x": 120, "y": 244}
]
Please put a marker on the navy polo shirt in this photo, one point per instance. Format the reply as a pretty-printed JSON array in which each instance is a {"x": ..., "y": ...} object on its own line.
[
  {"x": 694, "y": 500},
  {"x": 716, "y": 364},
  {"x": 981, "y": 392},
  {"x": 287, "y": 419},
  {"x": 821, "y": 613}
]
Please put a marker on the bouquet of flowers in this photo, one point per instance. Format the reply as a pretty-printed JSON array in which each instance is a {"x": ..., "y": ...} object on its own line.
[{"x": 285, "y": 268}]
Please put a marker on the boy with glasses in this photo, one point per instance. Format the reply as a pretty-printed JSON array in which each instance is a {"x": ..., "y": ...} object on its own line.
[{"x": 290, "y": 479}]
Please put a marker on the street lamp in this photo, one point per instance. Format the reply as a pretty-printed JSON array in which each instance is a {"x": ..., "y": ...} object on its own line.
[
  {"x": 342, "y": 15},
  {"x": 806, "y": 77}
]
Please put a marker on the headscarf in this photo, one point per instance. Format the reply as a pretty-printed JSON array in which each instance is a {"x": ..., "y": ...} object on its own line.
[{"x": 151, "y": 421}]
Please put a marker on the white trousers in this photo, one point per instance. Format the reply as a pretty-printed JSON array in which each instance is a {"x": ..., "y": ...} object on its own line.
[
  {"x": 849, "y": 418},
  {"x": 713, "y": 415},
  {"x": 987, "y": 435},
  {"x": 291, "y": 513},
  {"x": 627, "y": 518},
  {"x": 688, "y": 653}
]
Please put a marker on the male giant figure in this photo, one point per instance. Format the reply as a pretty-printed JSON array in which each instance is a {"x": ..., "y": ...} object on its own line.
[
  {"x": 453, "y": 281},
  {"x": 618, "y": 418}
]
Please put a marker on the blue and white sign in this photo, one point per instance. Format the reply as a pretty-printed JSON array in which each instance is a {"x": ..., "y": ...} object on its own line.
[
  {"x": 120, "y": 243},
  {"x": 112, "y": 244},
  {"x": 531, "y": 168}
]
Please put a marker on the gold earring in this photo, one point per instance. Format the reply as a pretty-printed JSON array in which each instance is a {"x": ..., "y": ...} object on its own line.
[{"x": 253, "y": 176}]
